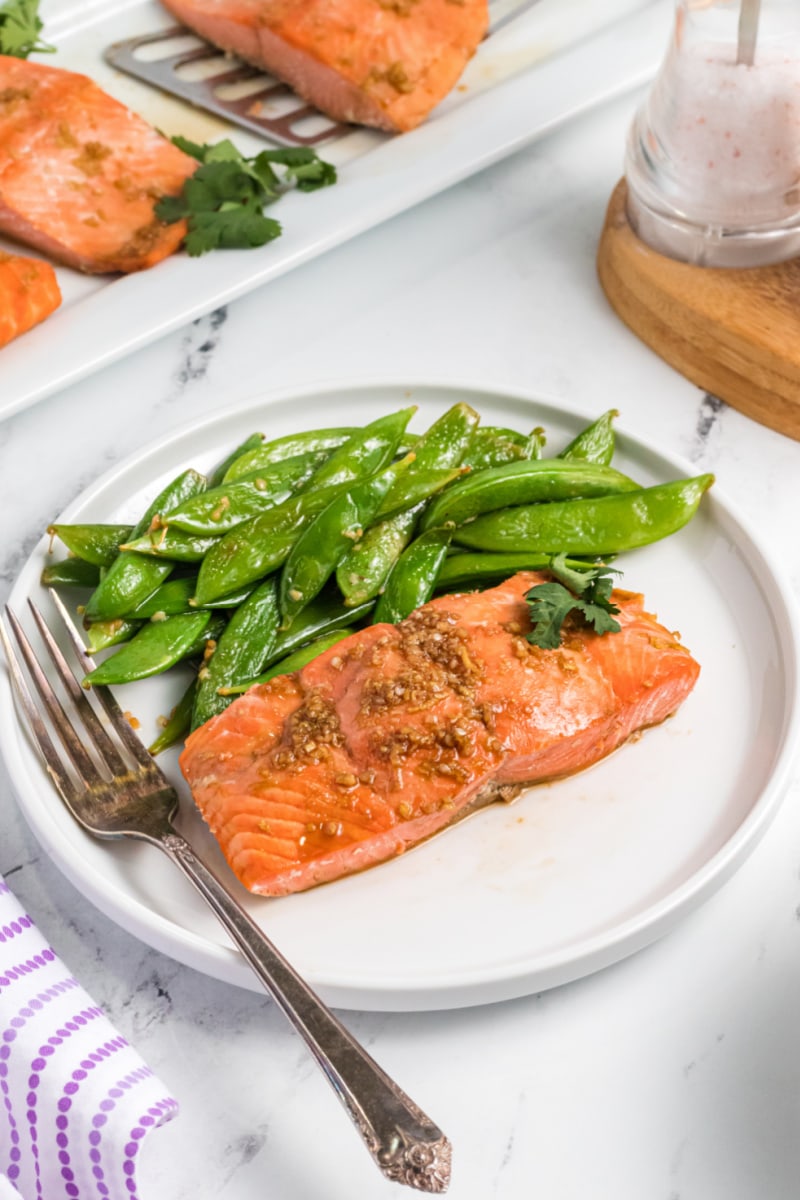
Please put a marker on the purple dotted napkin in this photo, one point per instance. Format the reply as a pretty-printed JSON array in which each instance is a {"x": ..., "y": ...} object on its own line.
[{"x": 76, "y": 1100}]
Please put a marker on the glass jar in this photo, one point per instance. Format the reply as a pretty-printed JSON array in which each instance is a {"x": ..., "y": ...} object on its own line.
[{"x": 713, "y": 155}]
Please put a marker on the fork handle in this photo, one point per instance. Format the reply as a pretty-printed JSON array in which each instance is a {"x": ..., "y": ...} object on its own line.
[{"x": 407, "y": 1146}]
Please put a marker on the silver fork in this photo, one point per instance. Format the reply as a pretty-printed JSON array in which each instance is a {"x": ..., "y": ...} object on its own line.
[{"x": 117, "y": 791}]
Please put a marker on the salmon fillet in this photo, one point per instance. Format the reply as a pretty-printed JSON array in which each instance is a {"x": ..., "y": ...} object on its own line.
[
  {"x": 29, "y": 292},
  {"x": 401, "y": 729},
  {"x": 374, "y": 62},
  {"x": 80, "y": 173}
]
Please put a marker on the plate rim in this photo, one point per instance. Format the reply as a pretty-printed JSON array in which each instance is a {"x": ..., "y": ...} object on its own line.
[{"x": 455, "y": 988}]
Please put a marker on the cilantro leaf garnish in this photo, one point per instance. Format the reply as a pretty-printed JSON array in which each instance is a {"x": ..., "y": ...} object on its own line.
[
  {"x": 20, "y": 26},
  {"x": 585, "y": 591},
  {"x": 222, "y": 201}
]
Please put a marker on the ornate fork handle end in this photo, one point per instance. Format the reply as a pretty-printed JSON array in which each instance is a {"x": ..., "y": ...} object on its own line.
[
  {"x": 424, "y": 1166},
  {"x": 406, "y": 1145}
]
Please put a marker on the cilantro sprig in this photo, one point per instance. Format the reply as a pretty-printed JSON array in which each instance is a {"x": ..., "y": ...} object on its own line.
[
  {"x": 223, "y": 200},
  {"x": 585, "y": 591},
  {"x": 20, "y": 26}
]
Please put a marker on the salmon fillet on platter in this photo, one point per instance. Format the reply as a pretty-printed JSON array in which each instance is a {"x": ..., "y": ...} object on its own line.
[
  {"x": 385, "y": 63},
  {"x": 80, "y": 173},
  {"x": 399, "y": 730},
  {"x": 29, "y": 292}
]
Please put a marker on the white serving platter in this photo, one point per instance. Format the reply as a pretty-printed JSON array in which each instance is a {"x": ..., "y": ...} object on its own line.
[
  {"x": 573, "y": 875},
  {"x": 554, "y": 61}
]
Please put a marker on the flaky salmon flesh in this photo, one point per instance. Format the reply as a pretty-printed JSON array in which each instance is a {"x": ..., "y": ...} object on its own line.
[
  {"x": 29, "y": 292},
  {"x": 80, "y": 173},
  {"x": 385, "y": 63},
  {"x": 398, "y": 730}
]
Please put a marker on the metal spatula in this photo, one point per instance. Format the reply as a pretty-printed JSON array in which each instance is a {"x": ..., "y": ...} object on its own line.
[{"x": 178, "y": 62}]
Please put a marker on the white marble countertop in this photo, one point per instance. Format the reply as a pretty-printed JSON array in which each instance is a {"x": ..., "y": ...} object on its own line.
[{"x": 674, "y": 1075}]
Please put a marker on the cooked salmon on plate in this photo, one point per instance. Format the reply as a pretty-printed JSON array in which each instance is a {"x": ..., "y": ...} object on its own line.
[
  {"x": 374, "y": 62},
  {"x": 80, "y": 173},
  {"x": 29, "y": 292},
  {"x": 399, "y": 730}
]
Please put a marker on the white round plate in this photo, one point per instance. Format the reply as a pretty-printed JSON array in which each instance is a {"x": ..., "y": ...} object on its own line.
[{"x": 573, "y": 875}]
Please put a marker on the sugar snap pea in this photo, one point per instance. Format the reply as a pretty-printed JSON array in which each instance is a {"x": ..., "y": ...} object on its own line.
[
  {"x": 315, "y": 441},
  {"x": 602, "y": 525},
  {"x": 465, "y": 569},
  {"x": 231, "y": 600},
  {"x": 366, "y": 567},
  {"x": 219, "y": 509},
  {"x": 251, "y": 550},
  {"x": 254, "y": 442},
  {"x": 536, "y": 443},
  {"x": 595, "y": 443},
  {"x": 413, "y": 578},
  {"x": 172, "y": 545},
  {"x": 188, "y": 483},
  {"x": 325, "y": 541},
  {"x": 322, "y": 616},
  {"x": 293, "y": 662},
  {"x": 247, "y": 554},
  {"x": 365, "y": 452},
  {"x": 70, "y": 572},
  {"x": 442, "y": 447},
  {"x": 98, "y": 544},
  {"x": 527, "y": 442},
  {"x": 412, "y": 487},
  {"x": 132, "y": 577},
  {"x": 523, "y": 483},
  {"x": 130, "y": 580},
  {"x": 101, "y": 635},
  {"x": 242, "y": 649},
  {"x": 177, "y": 724},
  {"x": 407, "y": 442},
  {"x": 492, "y": 446},
  {"x": 158, "y": 646},
  {"x": 167, "y": 600}
]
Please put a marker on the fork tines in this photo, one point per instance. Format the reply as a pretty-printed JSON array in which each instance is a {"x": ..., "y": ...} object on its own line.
[{"x": 97, "y": 758}]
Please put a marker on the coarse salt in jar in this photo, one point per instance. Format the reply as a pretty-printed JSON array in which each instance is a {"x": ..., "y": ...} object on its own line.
[{"x": 713, "y": 155}]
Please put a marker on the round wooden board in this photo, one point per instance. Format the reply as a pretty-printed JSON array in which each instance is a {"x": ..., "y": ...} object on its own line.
[{"x": 734, "y": 332}]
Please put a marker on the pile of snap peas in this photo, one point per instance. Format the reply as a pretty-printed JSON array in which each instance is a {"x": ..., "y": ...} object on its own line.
[{"x": 254, "y": 569}]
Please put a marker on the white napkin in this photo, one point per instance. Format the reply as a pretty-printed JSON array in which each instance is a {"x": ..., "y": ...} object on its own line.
[{"x": 76, "y": 1101}]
